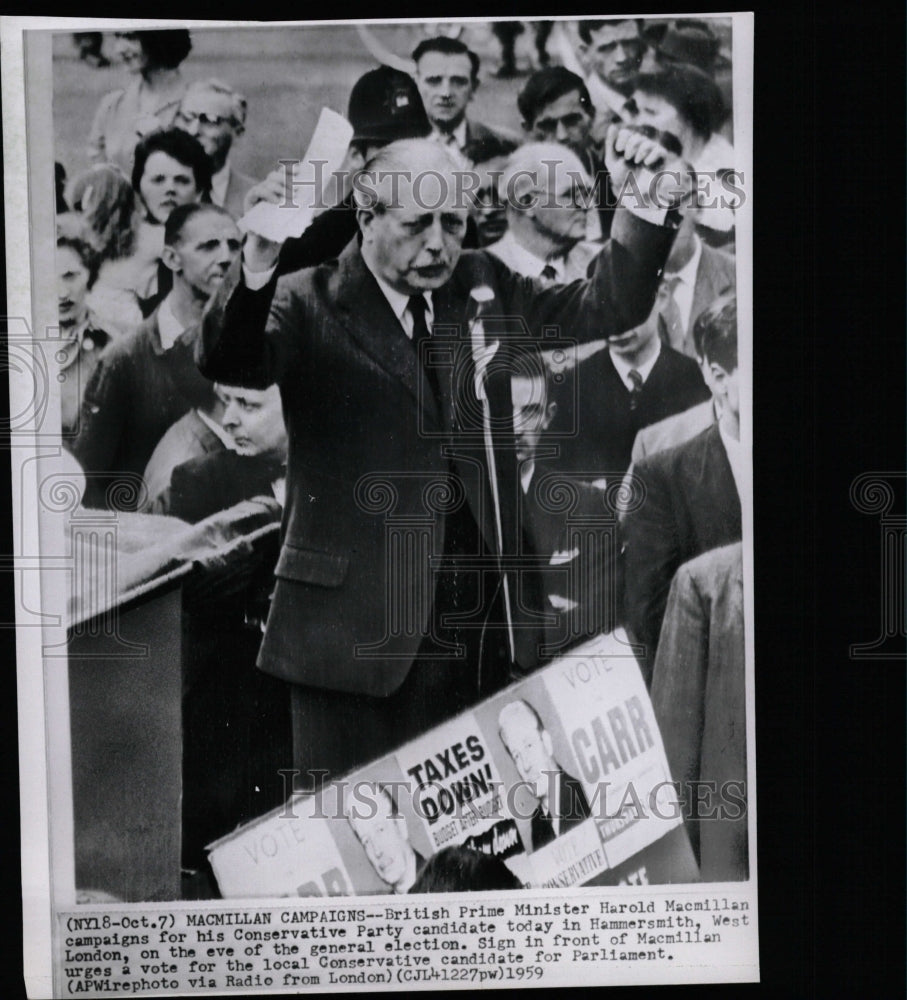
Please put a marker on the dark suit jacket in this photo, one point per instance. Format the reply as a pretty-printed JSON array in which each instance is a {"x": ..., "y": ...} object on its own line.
[
  {"x": 366, "y": 435},
  {"x": 574, "y": 807},
  {"x": 484, "y": 143},
  {"x": 605, "y": 197},
  {"x": 594, "y": 414},
  {"x": 135, "y": 393},
  {"x": 717, "y": 273},
  {"x": 190, "y": 437},
  {"x": 203, "y": 486},
  {"x": 699, "y": 698},
  {"x": 569, "y": 528},
  {"x": 689, "y": 504}
]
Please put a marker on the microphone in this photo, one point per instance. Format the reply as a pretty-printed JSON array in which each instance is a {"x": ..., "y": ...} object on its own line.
[
  {"x": 479, "y": 297},
  {"x": 481, "y": 294},
  {"x": 493, "y": 395}
]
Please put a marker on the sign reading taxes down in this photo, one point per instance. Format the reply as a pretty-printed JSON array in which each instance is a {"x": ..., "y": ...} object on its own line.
[{"x": 595, "y": 805}]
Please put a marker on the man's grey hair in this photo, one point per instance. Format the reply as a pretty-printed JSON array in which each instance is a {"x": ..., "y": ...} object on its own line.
[
  {"x": 398, "y": 164},
  {"x": 239, "y": 105}
]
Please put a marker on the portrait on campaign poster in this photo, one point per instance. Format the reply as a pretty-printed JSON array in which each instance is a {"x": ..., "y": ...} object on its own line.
[{"x": 382, "y": 466}]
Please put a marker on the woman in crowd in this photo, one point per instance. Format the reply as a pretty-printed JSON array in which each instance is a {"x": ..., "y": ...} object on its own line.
[
  {"x": 103, "y": 198},
  {"x": 81, "y": 338},
  {"x": 148, "y": 103},
  {"x": 170, "y": 169}
]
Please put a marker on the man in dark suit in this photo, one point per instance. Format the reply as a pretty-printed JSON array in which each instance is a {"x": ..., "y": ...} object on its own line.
[
  {"x": 609, "y": 397},
  {"x": 197, "y": 433},
  {"x": 694, "y": 276},
  {"x": 699, "y": 698},
  {"x": 255, "y": 465},
  {"x": 562, "y": 801},
  {"x": 690, "y": 494},
  {"x": 673, "y": 430},
  {"x": 447, "y": 74},
  {"x": 383, "y": 423},
  {"x": 567, "y": 530},
  {"x": 555, "y": 106},
  {"x": 613, "y": 51},
  {"x": 384, "y": 107},
  {"x": 381, "y": 829}
]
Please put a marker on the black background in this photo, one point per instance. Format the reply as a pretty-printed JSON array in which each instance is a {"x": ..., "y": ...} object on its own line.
[{"x": 829, "y": 404}]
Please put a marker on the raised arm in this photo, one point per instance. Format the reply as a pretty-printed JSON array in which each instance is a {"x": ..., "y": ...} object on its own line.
[
  {"x": 247, "y": 337},
  {"x": 652, "y": 185}
]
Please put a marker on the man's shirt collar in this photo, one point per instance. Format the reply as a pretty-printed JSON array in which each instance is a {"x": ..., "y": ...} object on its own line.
[
  {"x": 398, "y": 301},
  {"x": 623, "y": 367},
  {"x": 169, "y": 327}
]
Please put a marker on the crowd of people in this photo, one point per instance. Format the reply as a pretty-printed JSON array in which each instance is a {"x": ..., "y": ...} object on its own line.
[{"x": 204, "y": 366}]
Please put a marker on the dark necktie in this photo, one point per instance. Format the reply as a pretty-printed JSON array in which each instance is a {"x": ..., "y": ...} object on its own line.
[
  {"x": 417, "y": 309},
  {"x": 548, "y": 275},
  {"x": 634, "y": 376},
  {"x": 542, "y": 828}
]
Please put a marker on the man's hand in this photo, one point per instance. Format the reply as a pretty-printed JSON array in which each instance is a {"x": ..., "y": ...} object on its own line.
[
  {"x": 260, "y": 254},
  {"x": 644, "y": 173},
  {"x": 272, "y": 189}
]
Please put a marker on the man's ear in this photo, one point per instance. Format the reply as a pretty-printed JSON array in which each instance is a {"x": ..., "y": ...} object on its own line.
[
  {"x": 171, "y": 258},
  {"x": 354, "y": 160},
  {"x": 365, "y": 217},
  {"x": 719, "y": 377},
  {"x": 550, "y": 411}
]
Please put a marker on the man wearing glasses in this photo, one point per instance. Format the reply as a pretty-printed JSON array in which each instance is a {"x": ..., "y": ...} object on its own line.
[
  {"x": 215, "y": 114},
  {"x": 546, "y": 193}
]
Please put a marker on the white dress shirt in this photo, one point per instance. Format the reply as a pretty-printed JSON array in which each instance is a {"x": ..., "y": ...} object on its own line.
[
  {"x": 686, "y": 284},
  {"x": 398, "y": 301},
  {"x": 567, "y": 268},
  {"x": 605, "y": 96},
  {"x": 736, "y": 458},
  {"x": 455, "y": 138},
  {"x": 169, "y": 327}
]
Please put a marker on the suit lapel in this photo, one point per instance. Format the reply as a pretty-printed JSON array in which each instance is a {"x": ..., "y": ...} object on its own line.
[
  {"x": 711, "y": 281},
  {"x": 716, "y": 480},
  {"x": 367, "y": 316},
  {"x": 702, "y": 291}
]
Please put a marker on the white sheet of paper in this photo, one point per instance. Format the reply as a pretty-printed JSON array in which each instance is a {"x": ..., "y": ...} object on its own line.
[{"x": 325, "y": 154}]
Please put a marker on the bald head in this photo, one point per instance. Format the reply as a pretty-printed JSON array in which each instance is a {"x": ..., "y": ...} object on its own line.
[
  {"x": 528, "y": 743},
  {"x": 547, "y": 194},
  {"x": 539, "y": 167},
  {"x": 381, "y": 830},
  {"x": 417, "y": 168}
]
